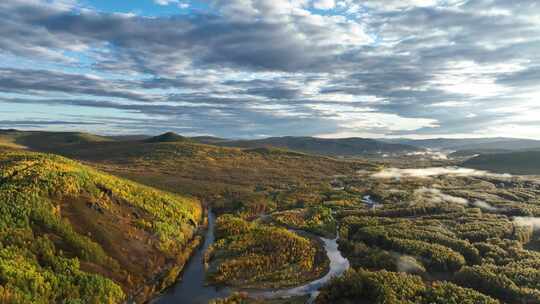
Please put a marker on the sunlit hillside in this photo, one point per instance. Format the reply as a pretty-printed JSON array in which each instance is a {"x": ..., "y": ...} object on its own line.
[
  {"x": 68, "y": 231},
  {"x": 226, "y": 177}
]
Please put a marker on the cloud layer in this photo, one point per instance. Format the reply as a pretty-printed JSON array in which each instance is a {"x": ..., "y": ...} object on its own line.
[{"x": 251, "y": 68}]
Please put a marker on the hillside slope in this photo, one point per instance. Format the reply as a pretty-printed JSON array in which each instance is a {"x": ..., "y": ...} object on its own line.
[
  {"x": 475, "y": 152},
  {"x": 458, "y": 144},
  {"x": 42, "y": 139},
  {"x": 222, "y": 176},
  {"x": 166, "y": 137},
  {"x": 324, "y": 146},
  {"x": 526, "y": 162},
  {"x": 69, "y": 232}
]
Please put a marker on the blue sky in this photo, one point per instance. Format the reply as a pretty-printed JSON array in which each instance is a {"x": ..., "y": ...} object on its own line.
[
  {"x": 146, "y": 7},
  {"x": 255, "y": 68}
]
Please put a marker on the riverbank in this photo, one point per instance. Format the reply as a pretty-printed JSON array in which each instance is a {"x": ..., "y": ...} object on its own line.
[
  {"x": 194, "y": 289},
  {"x": 173, "y": 271},
  {"x": 251, "y": 254},
  {"x": 338, "y": 265},
  {"x": 191, "y": 288}
]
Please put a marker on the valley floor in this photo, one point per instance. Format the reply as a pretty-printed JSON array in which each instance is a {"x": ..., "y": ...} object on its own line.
[{"x": 425, "y": 232}]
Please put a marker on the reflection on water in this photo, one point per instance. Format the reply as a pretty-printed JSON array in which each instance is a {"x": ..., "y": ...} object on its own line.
[
  {"x": 192, "y": 289},
  {"x": 370, "y": 202}
]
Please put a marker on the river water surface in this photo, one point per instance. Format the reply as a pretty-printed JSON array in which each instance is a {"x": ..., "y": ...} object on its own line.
[
  {"x": 192, "y": 289},
  {"x": 338, "y": 265}
]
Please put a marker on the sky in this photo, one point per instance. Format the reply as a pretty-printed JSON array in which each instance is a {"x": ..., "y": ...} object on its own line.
[{"x": 260, "y": 68}]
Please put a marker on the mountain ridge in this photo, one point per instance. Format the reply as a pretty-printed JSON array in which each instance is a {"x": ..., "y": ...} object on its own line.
[
  {"x": 458, "y": 144},
  {"x": 354, "y": 146},
  {"x": 520, "y": 162}
]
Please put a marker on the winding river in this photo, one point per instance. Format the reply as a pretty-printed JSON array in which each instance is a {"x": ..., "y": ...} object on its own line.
[
  {"x": 338, "y": 265},
  {"x": 192, "y": 289}
]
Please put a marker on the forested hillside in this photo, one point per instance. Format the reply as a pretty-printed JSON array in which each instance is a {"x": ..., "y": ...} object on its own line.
[
  {"x": 323, "y": 146},
  {"x": 458, "y": 144},
  {"x": 70, "y": 232},
  {"x": 525, "y": 162},
  {"x": 229, "y": 178},
  {"x": 412, "y": 235}
]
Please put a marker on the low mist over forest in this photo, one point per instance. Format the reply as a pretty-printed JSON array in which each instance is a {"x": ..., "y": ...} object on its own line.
[{"x": 269, "y": 152}]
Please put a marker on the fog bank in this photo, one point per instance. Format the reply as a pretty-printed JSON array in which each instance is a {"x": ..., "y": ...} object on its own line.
[
  {"x": 436, "y": 196},
  {"x": 533, "y": 222},
  {"x": 433, "y": 171}
]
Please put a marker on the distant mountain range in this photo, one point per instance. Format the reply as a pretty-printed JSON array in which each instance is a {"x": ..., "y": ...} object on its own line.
[
  {"x": 502, "y": 155},
  {"x": 523, "y": 162},
  {"x": 320, "y": 146},
  {"x": 499, "y": 143},
  {"x": 347, "y": 147},
  {"x": 475, "y": 152}
]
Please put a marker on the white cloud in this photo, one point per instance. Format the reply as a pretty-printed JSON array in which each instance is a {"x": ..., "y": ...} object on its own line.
[
  {"x": 399, "y": 4},
  {"x": 180, "y": 4},
  {"x": 473, "y": 79},
  {"x": 324, "y": 4},
  {"x": 353, "y": 118},
  {"x": 434, "y": 68},
  {"x": 450, "y": 104},
  {"x": 165, "y": 2}
]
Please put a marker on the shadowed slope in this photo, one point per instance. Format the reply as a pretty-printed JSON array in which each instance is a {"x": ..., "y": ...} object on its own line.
[
  {"x": 526, "y": 162},
  {"x": 166, "y": 137},
  {"x": 324, "y": 146}
]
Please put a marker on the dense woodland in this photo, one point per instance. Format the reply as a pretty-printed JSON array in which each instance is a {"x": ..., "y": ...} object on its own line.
[
  {"x": 363, "y": 286},
  {"x": 315, "y": 219},
  {"x": 520, "y": 162},
  {"x": 256, "y": 255},
  {"x": 473, "y": 232},
  {"x": 70, "y": 232},
  {"x": 67, "y": 229}
]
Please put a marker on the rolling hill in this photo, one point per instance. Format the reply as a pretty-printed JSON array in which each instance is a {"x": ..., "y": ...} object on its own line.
[
  {"x": 500, "y": 143},
  {"x": 226, "y": 177},
  {"x": 52, "y": 141},
  {"x": 136, "y": 234},
  {"x": 523, "y": 162},
  {"x": 209, "y": 140},
  {"x": 475, "y": 152},
  {"x": 166, "y": 137},
  {"x": 42, "y": 140},
  {"x": 323, "y": 146},
  {"x": 68, "y": 231}
]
